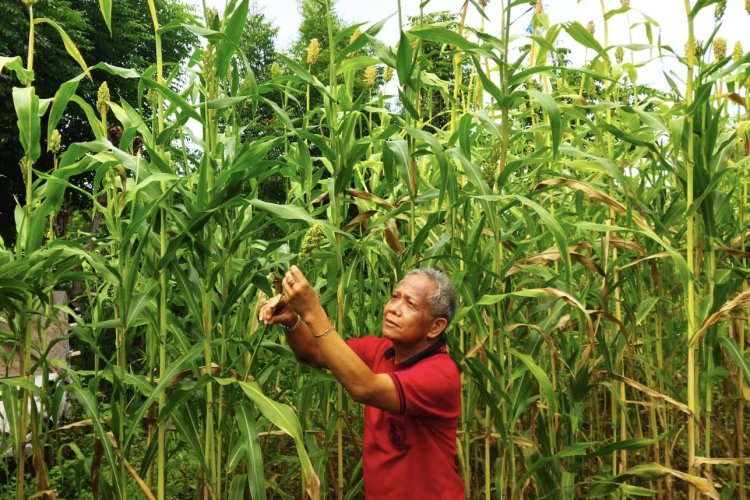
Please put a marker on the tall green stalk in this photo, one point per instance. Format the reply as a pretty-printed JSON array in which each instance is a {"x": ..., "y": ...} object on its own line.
[
  {"x": 26, "y": 324},
  {"x": 692, "y": 380},
  {"x": 162, "y": 335}
]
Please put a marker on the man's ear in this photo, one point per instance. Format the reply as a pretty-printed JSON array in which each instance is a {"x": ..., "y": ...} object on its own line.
[{"x": 439, "y": 325}]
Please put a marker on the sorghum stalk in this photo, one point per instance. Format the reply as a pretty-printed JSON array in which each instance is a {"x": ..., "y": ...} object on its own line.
[
  {"x": 506, "y": 452},
  {"x": 25, "y": 355},
  {"x": 162, "y": 434},
  {"x": 692, "y": 386},
  {"x": 621, "y": 415},
  {"x": 337, "y": 212}
]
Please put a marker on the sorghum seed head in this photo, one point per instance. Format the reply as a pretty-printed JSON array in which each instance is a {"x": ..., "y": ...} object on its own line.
[
  {"x": 484, "y": 3},
  {"x": 29, "y": 3},
  {"x": 102, "y": 97},
  {"x": 212, "y": 18},
  {"x": 539, "y": 8},
  {"x": 209, "y": 58},
  {"x": 276, "y": 70},
  {"x": 370, "y": 75},
  {"x": 719, "y": 9},
  {"x": 388, "y": 74},
  {"x": 747, "y": 6},
  {"x": 312, "y": 240},
  {"x": 625, "y": 3},
  {"x": 689, "y": 48},
  {"x": 619, "y": 54},
  {"x": 737, "y": 53},
  {"x": 313, "y": 51},
  {"x": 720, "y": 48},
  {"x": 25, "y": 163},
  {"x": 590, "y": 27},
  {"x": 152, "y": 96},
  {"x": 55, "y": 142}
]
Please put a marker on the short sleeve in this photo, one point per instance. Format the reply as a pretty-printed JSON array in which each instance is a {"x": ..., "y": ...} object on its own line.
[
  {"x": 431, "y": 388},
  {"x": 367, "y": 348}
]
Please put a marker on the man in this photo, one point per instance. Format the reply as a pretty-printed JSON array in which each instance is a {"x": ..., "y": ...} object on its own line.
[{"x": 409, "y": 384}]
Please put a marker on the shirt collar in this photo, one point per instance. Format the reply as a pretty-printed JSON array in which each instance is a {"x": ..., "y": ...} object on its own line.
[{"x": 431, "y": 349}]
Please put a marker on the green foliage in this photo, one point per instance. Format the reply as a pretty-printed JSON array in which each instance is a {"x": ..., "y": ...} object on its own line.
[
  {"x": 83, "y": 23},
  {"x": 567, "y": 204}
]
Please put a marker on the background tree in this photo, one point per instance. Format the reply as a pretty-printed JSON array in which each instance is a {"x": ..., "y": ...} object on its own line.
[{"x": 134, "y": 48}]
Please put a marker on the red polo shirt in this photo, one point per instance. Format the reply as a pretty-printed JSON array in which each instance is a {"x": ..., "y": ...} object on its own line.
[{"x": 412, "y": 454}]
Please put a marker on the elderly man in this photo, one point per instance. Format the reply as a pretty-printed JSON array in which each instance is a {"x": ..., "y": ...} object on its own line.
[{"x": 409, "y": 384}]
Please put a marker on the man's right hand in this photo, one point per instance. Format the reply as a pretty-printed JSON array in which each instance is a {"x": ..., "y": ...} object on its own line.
[{"x": 276, "y": 310}]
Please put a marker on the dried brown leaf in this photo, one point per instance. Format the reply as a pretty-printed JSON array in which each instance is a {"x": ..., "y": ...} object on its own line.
[
  {"x": 391, "y": 236},
  {"x": 364, "y": 195},
  {"x": 140, "y": 482},
  {"x": 652, "y": 393},
  {"x": 360, "y": 219},
  {"x": 595, "y": 194},
  {"x": 741, "y": 301}
]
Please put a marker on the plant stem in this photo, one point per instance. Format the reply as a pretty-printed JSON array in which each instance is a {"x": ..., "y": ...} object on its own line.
[{"x": 692, "y": 381}]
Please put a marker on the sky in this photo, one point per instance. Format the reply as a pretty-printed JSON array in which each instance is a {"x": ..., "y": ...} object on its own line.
[{"x": 670, "y": 23}]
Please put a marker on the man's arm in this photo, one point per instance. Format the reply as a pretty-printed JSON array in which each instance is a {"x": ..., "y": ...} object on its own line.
[
  {"x": 364, "y": 386},
  {"x": 316, "y": 341}
]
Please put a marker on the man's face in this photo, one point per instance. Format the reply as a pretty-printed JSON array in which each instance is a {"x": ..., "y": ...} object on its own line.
[{"x": 407, "y": 316}]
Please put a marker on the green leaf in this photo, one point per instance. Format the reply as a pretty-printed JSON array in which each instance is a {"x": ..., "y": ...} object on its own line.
[
  {"x": 288, "y": 212},
  {"x": 139, "y": 302},
  {"x": 15, "y": 64},
  {"x": 613, "y": 12},
  {"x": 94, "y": 122},
  {"x": 29, "y": 126},
  {"x": 233, "y": 31},
  {"x": 90, "y": 407},
  {"x": 174, "y": 97},
  {"x": 105, "y": 6},
  {"x": 644, "y": 308},
  {"x": 253, "y": 452},
  {"x": 22, "y": 383},
  {"x": 384, "y": 52},
  {"x": 404, "y": 60},
  {"x": 557, "y": 231},
  {"x": 175, "y": 367},
  {"x": 734, "y": 353},
  {"x": 397, "y": 151},
  {"x": 444, "y": 35},
  {"x": 356, "y": 64},
  {"x": 116, "y": 70},
  {"x": 69, "y": 45},
  {"x": 282, "y": 416},
  {"x": 60, "y": 102},
  {"x": 700, "y": 5},
  {"x": 553, "y": 113},
  {"x": 626, "y": 445},
  {"x": 581, "y": 35},
  {"x": 541, "y": 377}
]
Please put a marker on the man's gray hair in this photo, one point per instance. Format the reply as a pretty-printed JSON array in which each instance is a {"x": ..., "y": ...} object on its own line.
[{"x": 444, "y": 301}]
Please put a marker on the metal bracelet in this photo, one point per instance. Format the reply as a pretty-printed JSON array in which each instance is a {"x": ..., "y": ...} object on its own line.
[
  {"x": 294, "y": 326},
  {"x": 326, "y": 332}
]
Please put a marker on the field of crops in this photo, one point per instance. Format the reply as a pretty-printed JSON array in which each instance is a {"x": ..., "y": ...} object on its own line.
[{"x": 596, "y": 231}]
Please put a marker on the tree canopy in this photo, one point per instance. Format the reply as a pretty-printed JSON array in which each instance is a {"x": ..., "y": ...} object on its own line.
[{"x": 82, "y": 21}]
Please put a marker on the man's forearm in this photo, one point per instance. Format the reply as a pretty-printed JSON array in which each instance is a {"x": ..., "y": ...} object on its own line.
[
  {"x": 356, "y": 377},
  {"x": 303, "y": 344}
]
